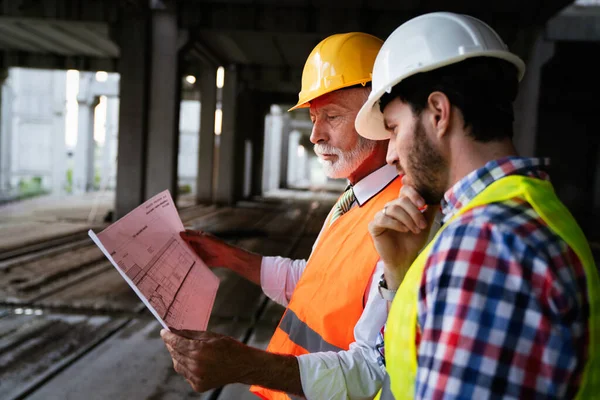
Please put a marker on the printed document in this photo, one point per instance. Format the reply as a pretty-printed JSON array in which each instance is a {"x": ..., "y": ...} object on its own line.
[{"x": 172, "y": 281}]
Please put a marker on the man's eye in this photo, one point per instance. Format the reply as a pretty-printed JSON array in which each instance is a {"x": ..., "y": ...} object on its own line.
[{"x": 331, "y": 117}]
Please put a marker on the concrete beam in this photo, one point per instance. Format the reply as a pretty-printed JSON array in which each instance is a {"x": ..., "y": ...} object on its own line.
[
  {"x": 379, "y": 18},
  {"x": 577, "y": 24},
  {"x": 208, "y": 102},
  {"x": 11, "y": 58},
  {"x": 272, "y": 79},
  {"x": 164, "y": 98},
  {"x": 72, "y": 10}
]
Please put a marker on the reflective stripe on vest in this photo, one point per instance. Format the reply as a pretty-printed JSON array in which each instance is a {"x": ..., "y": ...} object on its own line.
[
  {"x": 303, "y": 335},
  {"x": 329, "y": 297},
  {"x": 400, "y": 344}
]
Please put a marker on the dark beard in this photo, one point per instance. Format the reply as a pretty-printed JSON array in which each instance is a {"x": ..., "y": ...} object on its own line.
[{"x": 426, "y": 167}]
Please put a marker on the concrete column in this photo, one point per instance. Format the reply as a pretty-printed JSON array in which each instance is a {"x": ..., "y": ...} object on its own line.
[
  {"x": 164, "y": 99},
  {"x": 248, "y": 163},
  {"x": 83, "y": 171},
  {"x": 527, "y": 103},
  {"x": 149, "y": 105},
  {"x": 226, "y": 166},
  {"x": 272, "y": 150},
  {"x": 110, "y": 145},
  {"x": 134, "y": 68},
  {"x": 285, "y": 140},
  {"x": 59, "y": 152},
  {"x": 258, "y": 143},
  {"x": 206, "y": 146},
  {"x": 294, "y": 172},
  {"x": 5, "y": 130}
]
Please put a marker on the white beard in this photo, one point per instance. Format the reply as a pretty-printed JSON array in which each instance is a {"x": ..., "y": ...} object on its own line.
[{"x": 347, "y": 161}]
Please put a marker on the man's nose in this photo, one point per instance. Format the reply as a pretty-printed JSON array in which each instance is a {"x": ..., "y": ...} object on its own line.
[
  {"x": 392, "y": 155},
  {"x": 319, "y": 133}
]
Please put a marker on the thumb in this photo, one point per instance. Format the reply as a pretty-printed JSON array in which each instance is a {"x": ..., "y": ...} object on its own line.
[{"x": 190, "y": 233}]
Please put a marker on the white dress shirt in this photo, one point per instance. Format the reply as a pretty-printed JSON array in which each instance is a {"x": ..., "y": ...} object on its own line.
[{"x": 350, "y": 374}]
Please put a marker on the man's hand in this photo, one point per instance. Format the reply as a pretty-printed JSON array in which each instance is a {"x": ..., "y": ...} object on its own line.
[
  {"x": 212, "y": 250},
  {"x": 210, "y": 360},
  {"x": 399, "y": 231},
  {"x": 206, "y": 360},
  {"x": 217, "y": 253}
]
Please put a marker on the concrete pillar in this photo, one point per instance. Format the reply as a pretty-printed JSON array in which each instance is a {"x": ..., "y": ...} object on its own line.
[
  {"x": 164, "y": 98},
  {"x": 134, "y": 68},
  {"x": 83, "y": 170},
  {"x": 272, "y": 150},
  {"x": 258, "y": 143},
  {"x": 225, "y": 192},
  {"x": 5, "y": 130},
  {"x": 285, "y": 144},
  {"x": 59, "y": 151},
  {"x": 293, "y": 172},
  {"x": 110, "y": 144},
  {"x": 527, "y": 103},
  {"x": 206, "y": 146},
  {"x": 149, "y": 105}
]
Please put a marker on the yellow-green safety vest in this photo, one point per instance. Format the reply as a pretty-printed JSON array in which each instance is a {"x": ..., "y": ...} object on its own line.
[{"x": 400, "y": 334}]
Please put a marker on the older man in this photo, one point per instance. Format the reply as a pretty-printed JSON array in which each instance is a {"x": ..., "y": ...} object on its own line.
[{"x": 324, "y": 346}]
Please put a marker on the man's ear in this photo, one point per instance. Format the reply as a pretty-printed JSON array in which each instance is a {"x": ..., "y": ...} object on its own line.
[{"x": 439, "y": 108}]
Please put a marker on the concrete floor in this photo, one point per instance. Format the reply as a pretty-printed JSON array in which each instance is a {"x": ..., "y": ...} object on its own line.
[{"x": 71, "y": 328}]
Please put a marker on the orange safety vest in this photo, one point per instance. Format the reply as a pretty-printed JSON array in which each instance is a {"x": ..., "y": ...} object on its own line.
[{"x": 329, "y": 298}]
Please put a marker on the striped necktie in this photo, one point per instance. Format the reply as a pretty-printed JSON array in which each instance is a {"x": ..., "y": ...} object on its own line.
[{"x": 343, "y": 204}]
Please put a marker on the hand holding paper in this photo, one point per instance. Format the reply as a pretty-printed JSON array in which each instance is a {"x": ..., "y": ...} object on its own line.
[{"x": 172, "y": 281}]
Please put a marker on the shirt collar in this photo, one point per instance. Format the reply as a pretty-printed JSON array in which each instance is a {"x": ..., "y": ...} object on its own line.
[
  {"x": 471, "y": 185},
  {"x": 372, "y": 184}
]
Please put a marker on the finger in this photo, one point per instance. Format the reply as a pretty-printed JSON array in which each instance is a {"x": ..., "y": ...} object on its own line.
[
  {"x": 175, "y": 355},
  {"x": 193, "y": 232},
  {"x": 193, "y": 335},
  {"x": 406, "y": 213},
  {"x": 185, "y": 372},
  {"x": 196, "y": 335},
  {"x": 416, "y": 214},
  {"x": 196, "y": 387},
  {"x": 178, "y": 343},
  {"x": 191, "y": 239},
  {"x": 382, "y": 224},
  {"x": 413, "y": 195}
]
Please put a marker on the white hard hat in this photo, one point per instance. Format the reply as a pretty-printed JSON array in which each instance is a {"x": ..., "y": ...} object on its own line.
[{"x": 422, "y": 44}]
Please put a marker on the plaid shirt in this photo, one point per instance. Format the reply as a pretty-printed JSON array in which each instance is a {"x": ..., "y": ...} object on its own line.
[{"x": 502, "y": 309}]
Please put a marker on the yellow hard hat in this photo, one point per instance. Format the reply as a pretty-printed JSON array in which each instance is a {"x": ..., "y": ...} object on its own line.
[{"x": 339, "y": 61}]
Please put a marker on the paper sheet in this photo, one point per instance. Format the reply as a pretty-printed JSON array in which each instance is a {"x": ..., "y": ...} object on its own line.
[{"x": 172, "y": 281}]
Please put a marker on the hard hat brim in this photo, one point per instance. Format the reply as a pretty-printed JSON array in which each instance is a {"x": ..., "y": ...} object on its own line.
[
  {"x": 369, "y": 120},
  {"x": 306, "y": 102}
]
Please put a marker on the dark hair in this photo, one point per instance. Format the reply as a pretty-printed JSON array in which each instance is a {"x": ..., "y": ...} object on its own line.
[{"x": 483, "y": 88}]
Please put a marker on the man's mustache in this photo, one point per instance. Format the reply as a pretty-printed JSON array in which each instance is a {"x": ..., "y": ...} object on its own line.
[{"x": 326, "y": 149}]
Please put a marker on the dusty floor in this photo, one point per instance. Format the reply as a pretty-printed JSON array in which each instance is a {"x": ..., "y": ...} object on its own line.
[{"x": 71, "y": 328}]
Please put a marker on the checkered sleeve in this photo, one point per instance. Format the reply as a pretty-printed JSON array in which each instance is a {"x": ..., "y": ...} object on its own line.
[{"x": 489, "y": 322}]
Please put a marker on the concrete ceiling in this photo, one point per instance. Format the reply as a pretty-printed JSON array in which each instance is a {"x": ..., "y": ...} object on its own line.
[
  {"x": 282, "y": 32},
  {"x": 268, "y": 39},
  {"x": 67, "y": 38}
]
